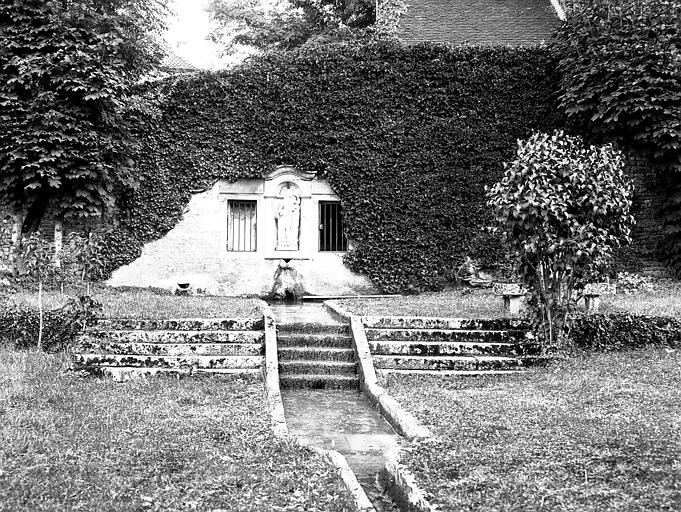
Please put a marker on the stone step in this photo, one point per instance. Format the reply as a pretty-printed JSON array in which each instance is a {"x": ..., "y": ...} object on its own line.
[
  {"x": 466, "y": 324},
  {"x": 319, "y": 381},
  {"x": 449, "y": 373},
  {"x": 303, "y": 313},
  {"x": 313, "y": 340},
  {"x": 176, "y": 362},
  {"x": 313, "y": 328},
  {"x": 177, "y": 336},
  {"x": 448, "y": 363},
  {"x": 180, "y": 324},
  {"x": 445, "y": 348},
  {"x": 125, "y": 373},
  {"x": 305, "y": 367},
  {"x": 447, "y": 335},
  {"x": 95, "y": 346},
  {"x": 316, "y": 353}
]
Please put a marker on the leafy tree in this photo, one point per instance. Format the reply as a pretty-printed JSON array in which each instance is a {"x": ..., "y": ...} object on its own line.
[
  {"x": 562, "y": 208},
  {"x": 621, "y": 73},
  {"x": 65, "y": 70},
  {"x": 287, "y": 24}
]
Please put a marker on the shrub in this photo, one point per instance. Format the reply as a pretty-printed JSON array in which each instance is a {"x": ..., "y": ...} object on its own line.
[
  {"x": 21, "y": 326},
  {"x": 562, "y": 208},
  {"x": 619, "y": 331}
]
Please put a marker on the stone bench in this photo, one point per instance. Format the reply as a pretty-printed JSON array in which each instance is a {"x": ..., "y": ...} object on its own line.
[
  {"x": 592, "y": 294},
  {"x": 512, "y": 294}
]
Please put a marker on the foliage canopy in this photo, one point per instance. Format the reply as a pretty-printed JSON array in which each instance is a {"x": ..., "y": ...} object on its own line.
[
  {"x": 620, "y": 63},
  {"x": 287, "y": 24},
  {"x": 65, "y": 70}
]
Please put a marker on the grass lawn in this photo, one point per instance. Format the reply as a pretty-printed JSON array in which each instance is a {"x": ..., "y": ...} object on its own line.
[
  {"x": 73, "y": 443},
  {"x": 480, "y": 303},
  {"x": 663, "y": 300},
  {"x": 141, "y": 303},
  {"x": 593, "y": 433}
]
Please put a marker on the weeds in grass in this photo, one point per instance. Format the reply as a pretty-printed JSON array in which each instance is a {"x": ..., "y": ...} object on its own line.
[
  {"x": 663, "y": 300},
  {"x": 72, "y": 443},
  {"x": 595, "y": 432},
  {"x": 140, "y": 303}
]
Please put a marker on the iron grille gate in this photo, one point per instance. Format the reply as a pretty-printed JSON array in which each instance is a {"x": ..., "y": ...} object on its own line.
[
  {"x": 241, "y": 230},
  {"x": 331, "y": 234}
]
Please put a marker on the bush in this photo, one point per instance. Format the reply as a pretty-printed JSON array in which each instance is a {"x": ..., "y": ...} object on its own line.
[
  {"x": 20, "y": 325},
  {"x": 619, "y": 331},
  {"x": 562, "y": 208}
]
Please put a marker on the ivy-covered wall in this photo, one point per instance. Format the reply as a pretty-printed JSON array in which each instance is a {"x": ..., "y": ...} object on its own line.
[{"x": 408, "y": 136}]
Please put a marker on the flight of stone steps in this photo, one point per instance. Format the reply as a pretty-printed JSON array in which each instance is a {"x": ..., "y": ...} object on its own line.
[
  {"x": 125, "y": 349},
  {"x": 316, "y": 356},
  {"x": 314, "y": 348},
  {"x": 450, "y": 346}
]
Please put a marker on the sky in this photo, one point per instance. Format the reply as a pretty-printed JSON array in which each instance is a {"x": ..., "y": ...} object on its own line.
[{"x": 187, "y": 34}]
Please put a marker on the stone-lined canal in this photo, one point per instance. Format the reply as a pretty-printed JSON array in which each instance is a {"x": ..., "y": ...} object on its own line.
[{"x": 344, "y": 421}]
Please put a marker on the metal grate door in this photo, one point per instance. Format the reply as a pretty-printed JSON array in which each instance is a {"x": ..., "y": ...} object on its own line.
[
  {"x": 331, "y": 235},
  {"x": 241, "y": 226}
]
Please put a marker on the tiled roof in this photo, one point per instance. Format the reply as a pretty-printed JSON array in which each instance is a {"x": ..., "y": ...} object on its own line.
[
  {"x": 478, "y": 21},
  {"x": 173, "y": 62}
]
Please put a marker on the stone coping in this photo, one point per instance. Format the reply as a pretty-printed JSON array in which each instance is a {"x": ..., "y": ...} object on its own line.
[
  {"x": 271, "y": 378},
  {"x": 400, "y": 484},
  {"x": 397, "y": 480},
  {"x": 337, "y": 460}
]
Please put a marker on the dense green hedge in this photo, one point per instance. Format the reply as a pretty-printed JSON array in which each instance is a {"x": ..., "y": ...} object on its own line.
[
  {"x": 617, "y": 331},
  {"x": 408, "y": 136},
  {"x": 19, "y": 328}
]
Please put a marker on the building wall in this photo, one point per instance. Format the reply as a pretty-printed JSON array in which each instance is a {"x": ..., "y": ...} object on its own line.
[
  {"x": 195, "y": 251},
  {"x": 642, "y": 254}
]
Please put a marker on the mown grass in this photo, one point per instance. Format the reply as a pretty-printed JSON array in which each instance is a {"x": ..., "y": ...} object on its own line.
[
  {"x": 141, "y": 303},
  {"x": 479, "y": 303},
  {"x": 663, "y": 300},
  {"x": 72, "y": 443},
  {"x": 600, "y": 432}
]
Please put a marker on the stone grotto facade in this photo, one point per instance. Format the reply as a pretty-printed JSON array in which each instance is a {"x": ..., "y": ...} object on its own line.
[{"x": 279, "y": 236}]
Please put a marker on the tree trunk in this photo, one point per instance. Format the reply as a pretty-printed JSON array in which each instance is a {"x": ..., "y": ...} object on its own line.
[
  {"x": 16, "y": 242},
  {"x": 58, "y": 242},
  {"x": 40, "y": 314},
  {"x": 35, "y": 213}
]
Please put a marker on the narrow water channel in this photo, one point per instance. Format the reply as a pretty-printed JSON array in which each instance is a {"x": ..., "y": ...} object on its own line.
[{"x": 346, "y": 422}]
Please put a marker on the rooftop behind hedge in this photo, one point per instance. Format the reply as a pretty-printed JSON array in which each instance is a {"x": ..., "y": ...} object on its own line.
[{"x": 408, "y": 136}]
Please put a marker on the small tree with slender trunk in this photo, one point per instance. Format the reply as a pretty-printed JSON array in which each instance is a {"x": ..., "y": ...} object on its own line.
[
  {"x": 37, "y": 255},
  {"x": 562, "y": 207}
]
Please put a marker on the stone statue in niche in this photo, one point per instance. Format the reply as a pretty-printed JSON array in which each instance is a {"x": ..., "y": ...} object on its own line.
[{"x": 288, "y": 219}]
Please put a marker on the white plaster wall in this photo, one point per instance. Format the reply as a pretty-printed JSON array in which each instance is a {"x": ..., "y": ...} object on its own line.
[{"x": 195, "y": 252}]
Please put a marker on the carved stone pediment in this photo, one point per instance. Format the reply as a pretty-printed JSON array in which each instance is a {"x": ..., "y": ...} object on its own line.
[
  {"x": 287, "y": 174},
  {"x": 291, "y": 174}
]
